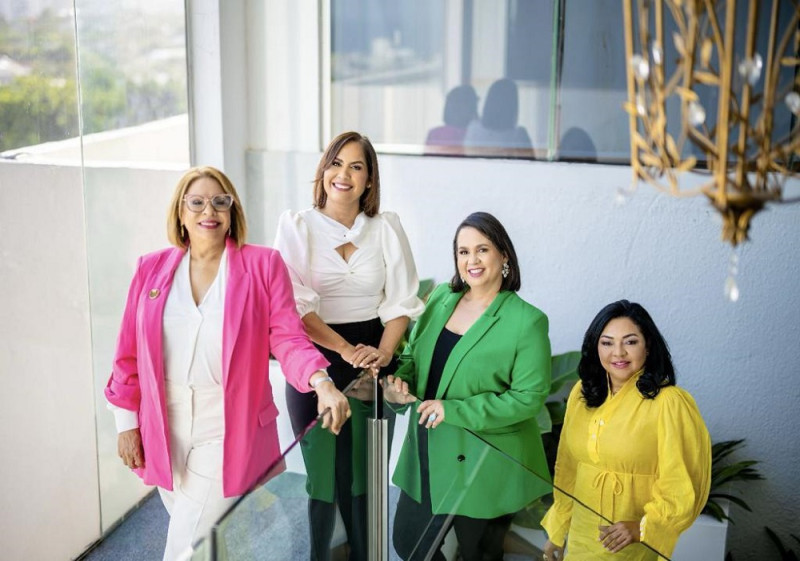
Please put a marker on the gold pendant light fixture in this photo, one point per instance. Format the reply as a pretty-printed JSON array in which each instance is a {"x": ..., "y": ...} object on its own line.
[{"x": 738, "y": 107}]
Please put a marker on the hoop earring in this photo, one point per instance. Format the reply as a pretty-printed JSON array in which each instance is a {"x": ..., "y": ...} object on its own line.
[{"x": 506, "y": 269}]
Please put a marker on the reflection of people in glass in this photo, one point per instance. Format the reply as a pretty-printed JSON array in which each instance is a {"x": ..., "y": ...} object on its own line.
[
  {"x": 479, "y": 358},
  {"x": 355, "y": 286},
  {"x": 577, "y": 144},
  {"x": 633, "y": 446},
  {"x": 496, "y": 132},
  {"x": 190, "y": 383},
  {"x": 460, "y": 108}
]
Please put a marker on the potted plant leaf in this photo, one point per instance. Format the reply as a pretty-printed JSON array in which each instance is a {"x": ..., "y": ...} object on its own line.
[
  {"x": 706, "y": 538},
  {"x": 723, "y": 473}
]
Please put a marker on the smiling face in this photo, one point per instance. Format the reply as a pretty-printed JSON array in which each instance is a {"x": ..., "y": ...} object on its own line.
[
  {"x": 209, "y": 226},
  {"x": 480, "y": 263},
  {"x": 622, "y": 350},
  {"x": 345, "y": 180}
]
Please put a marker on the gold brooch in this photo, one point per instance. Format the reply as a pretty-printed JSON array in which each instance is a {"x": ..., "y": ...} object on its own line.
[{"x": 154, "y": 293}]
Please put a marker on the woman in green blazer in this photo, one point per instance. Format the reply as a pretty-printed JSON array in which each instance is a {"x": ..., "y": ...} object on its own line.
[{"x": 479, "y": 362}]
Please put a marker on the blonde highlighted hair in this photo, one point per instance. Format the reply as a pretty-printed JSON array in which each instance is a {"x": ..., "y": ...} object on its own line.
[{"x": 175, "y": 232}]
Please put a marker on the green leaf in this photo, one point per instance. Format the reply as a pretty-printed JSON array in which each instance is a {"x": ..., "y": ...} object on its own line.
[
  {"x": 732, "y": 498},
  {"x": 739, "y": 470},
  {"x": 722, "y": 449},
  {"x": 563, "y": 369},
  {"x": 544, "y": 421},
  {"x": 723, "y": 473},
  {"x": 713, "y": 509},
  {"x": 557, "y": 411},
  {"x": 426, "y": 286}
]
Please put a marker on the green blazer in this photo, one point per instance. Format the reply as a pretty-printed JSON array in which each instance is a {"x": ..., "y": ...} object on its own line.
[{"x": 486, "y": 457}]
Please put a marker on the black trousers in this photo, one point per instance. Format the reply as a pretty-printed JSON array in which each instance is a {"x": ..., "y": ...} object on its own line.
[
  {"x": 417, "y": 531},
  {"x": 303, "y": 410},
  {"x": 322, "y": 514}
]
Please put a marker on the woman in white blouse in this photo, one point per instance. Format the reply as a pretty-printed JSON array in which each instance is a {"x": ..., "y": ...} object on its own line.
[
  {"x": 355, "y": 285},
  {"x": 190, "y": 384}
]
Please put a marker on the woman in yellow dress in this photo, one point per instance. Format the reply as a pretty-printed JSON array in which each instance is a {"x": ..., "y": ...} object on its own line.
[{"x": 634, "y": 460}]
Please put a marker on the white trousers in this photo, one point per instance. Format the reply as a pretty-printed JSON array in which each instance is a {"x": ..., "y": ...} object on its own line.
[{"x": 197, "y": 424}]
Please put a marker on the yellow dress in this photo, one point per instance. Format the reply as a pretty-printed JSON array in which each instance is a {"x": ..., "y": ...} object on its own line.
[{"x": 632, "y": 458}]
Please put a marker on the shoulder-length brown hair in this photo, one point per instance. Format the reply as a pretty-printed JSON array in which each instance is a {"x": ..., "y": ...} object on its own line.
[
  {"x": 175, "y": 231},
  {"x": 370, "y": 201}
]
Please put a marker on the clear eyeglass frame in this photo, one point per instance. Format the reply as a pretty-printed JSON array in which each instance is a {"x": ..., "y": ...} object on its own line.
[{"x": 198, "y": 203}]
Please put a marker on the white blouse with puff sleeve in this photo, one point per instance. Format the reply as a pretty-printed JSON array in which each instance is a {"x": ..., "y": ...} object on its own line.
[{"x": 379, "y": 280}]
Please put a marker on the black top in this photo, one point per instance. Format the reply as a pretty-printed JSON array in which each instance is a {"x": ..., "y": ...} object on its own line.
[{"x": 441, "y": 352}]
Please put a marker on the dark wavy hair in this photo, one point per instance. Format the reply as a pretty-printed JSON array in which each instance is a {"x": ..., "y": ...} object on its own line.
[
  {"x": 658, "y": 370},
  {"x": 490, "y": 227}
]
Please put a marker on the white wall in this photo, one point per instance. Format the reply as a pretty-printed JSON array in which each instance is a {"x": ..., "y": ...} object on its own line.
[
  {"x": 580, "y": 251},
  {"x": 48, "y": 476}
]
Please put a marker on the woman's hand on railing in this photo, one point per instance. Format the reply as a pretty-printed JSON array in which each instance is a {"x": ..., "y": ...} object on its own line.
[
  {"x": 331, "y": 403},
  {"x": 363, "y": 388},
  {"x": 395, "y": 390},
  {"x": 370, "y": 358}
]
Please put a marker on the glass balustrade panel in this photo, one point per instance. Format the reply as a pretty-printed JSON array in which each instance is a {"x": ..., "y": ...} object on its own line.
[{"x": 459, "y": 490}]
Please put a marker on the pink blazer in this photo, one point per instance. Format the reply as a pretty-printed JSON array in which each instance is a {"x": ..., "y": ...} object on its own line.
[{"x": 260, "y": 318}]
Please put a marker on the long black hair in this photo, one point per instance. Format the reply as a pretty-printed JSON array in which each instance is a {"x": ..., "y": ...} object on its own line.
[{"x": 658, "y": 370}]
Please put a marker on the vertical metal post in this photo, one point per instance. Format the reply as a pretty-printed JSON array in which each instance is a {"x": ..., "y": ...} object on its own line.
[{"x": 378, "y": 482}]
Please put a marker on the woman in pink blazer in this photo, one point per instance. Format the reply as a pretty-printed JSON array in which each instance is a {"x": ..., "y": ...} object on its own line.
[{"x": 190, "y": 384}]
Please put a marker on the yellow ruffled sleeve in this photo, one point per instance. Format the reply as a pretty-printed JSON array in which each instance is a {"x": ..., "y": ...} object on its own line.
[
  {"x": 557, "y": 519},
  {"x": 684, "y": 471}
]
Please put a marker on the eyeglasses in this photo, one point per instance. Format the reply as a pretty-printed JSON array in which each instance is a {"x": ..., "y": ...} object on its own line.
[{"x": 220, "y": 203}]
